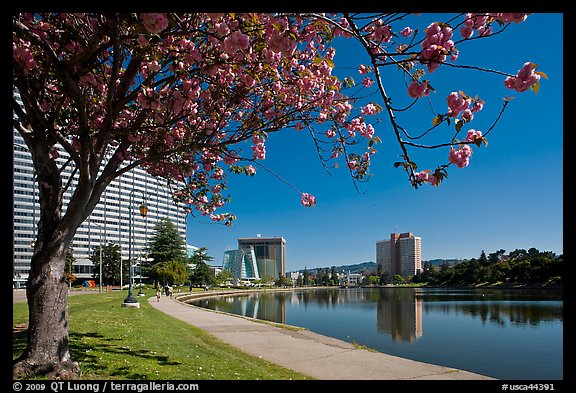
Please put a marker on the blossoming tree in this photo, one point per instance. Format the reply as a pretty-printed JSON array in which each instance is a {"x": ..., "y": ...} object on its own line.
[{"x": 193, "y": 97}]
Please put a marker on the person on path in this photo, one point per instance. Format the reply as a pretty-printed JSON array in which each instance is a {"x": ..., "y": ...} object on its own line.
[{"x": 158, "y": 294}]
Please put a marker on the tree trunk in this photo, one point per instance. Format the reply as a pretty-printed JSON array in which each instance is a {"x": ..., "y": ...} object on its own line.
[{"x": 47, "y": 352}]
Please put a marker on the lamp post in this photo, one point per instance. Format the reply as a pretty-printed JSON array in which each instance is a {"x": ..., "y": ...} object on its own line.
[
  {"x": 130, "y": 300},
  {"x": 100, "y": 275}
]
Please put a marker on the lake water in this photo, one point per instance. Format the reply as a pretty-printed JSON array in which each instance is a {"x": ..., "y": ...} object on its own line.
[{"x": 506, "y": 334}]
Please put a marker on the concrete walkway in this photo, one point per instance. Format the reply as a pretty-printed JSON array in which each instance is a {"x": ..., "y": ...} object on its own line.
[{"x": 318, "y": 356}]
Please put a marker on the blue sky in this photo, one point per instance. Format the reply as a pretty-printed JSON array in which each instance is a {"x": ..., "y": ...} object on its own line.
[{"x": 509, "y": 197}]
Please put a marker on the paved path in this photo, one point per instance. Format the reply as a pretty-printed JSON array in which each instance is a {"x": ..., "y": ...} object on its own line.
[{"x": 318, "y": 356}]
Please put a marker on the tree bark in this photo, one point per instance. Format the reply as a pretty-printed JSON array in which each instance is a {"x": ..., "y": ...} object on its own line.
[{"x": 47, "y": 352}]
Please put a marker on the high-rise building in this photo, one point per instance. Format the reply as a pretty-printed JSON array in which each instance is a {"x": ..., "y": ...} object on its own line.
[
  {"x": 241, "y": 263},
  {"x": 401, "y": 254},
  {"x": 270, "y": 254},
  {"x": 113, "y": 219}
]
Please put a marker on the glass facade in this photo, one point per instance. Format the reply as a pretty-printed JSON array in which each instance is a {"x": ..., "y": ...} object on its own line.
[
  {"x": 241, "y": 263},
  {"x": 270, "y": 254}
]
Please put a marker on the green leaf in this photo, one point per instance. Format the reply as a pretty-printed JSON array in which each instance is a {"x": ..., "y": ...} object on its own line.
[{"x": 458, "y": 124}]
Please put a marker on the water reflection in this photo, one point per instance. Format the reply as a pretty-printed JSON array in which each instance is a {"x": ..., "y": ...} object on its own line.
[
  {"x": 512, "y": 334},
  {"x": 399, "y": 311}
]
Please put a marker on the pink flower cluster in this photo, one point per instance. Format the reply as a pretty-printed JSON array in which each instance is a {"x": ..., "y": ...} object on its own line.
[
  {"x": 437, "y": 45},
  {"x": 458, "y": 103},
  {"x": 418, "y": 89},
  {"x": 525, "y": 79},
  {"x": 359, "y": 125},
  {"x": 23, "y": 56},
  {"x": 235, "y": 42},
  {"x": 476, "y": 22},
  {"x": 308, "y": 200},
  {"x": 369, "y": 109},
  {"x": 513, "y": 17},
  {"x": 258, "y": 148},
  {"x": 473, "y": 135},
  {"x": 153, "y": 22},
  {"x": 407, "y": 32},
  {"x": 427, "y": 177},
  {"x": 280, "y": 43},
  {"x": 460, "y": 157},
  {"x": 379, "y": 31}
]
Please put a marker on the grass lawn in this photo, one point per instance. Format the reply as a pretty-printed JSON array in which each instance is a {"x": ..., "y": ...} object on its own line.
[{"x": 112, "y": 342}]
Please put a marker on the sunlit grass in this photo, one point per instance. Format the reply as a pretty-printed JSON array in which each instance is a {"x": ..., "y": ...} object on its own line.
[{"x": 113, "y": 342}]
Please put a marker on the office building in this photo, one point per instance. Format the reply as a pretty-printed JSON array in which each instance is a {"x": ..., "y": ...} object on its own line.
[
  {"x": 108, "y": 223},
  {"x": 401, "y": 254},
  {"x": 270, "y": 254},
  {"x": 241, "y": 263}
]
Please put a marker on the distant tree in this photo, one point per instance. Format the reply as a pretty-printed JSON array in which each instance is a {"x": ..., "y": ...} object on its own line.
[
  {"x": 171, "y": 272},
  {"x": 483, "y": 259},
  {"x": 165, "y": 245},
  {"x": 495, "y": 256},
  {"x": 373, "y": 280},
  {"x": 283, "y": 281},
  {"x": 306, "y": 276},
  {"x": 398, "y": 279},
  {"x": 202, "y": 274},
  {"x": 334, "y": 276},
  {"x": 385, "y": 278},
  {"x": 299, "y": 280},
  {"x": 223, "y": 276},
  {"x": 200, "y": 255},
  {"x": 111, "y": 254}
]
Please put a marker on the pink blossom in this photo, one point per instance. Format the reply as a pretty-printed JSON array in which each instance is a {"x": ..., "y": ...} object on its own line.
[
  {"x": 407, "y": 32},
  {"x": 525, "y": 79},
  {"x": 154, "y": 23},
  {"x": 235, "y": 42},
  {"x": 363, "y": 69},
  {"x": 367, "y": 82},
  {"x": 460, "y": 157},
  {"x": 279, "y": 43},
  {"x": 369, "y": 109},
  {"x": 308, "y": 200},
  {"x": 250, "y": 170},
  {"x": 473, "y": 135},
  {"x": 418, "y": 89}
]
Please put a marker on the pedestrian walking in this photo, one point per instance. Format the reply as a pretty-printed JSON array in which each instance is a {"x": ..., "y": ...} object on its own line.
[{"x": 158, "y": 294}]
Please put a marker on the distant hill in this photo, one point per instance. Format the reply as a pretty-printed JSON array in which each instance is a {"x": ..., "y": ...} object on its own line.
[
  {"x": 371, "y": 266},
  {"x": 438, "y": 262}
]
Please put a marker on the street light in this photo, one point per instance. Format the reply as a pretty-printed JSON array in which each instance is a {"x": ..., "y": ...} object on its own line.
[
  {"x": 100, "y": 276},
  {"x": 130, "y": 300}
]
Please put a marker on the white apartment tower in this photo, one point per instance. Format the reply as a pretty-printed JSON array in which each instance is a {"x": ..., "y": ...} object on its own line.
[
  {"x": 401, "y": 254},
  {"x": 108, "y": 223}
]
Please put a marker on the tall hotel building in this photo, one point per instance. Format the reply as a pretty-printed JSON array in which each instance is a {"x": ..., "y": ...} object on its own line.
[
  {"x": 257, "y": 258},
  {"x": 401, "y": 254},
  {"x": 108, "y": 223}
]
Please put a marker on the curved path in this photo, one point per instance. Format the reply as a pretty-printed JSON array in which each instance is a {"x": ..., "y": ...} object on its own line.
[{"x": 299, "y": 349}]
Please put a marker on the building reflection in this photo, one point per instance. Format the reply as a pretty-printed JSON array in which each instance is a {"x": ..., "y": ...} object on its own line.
[
  {"x": 256, "y": 306},
  {"x": 399, "y": 313}
]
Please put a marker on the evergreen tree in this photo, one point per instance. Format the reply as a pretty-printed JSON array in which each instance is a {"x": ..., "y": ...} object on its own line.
[
  {"x": 111, "y": 254},
  {"x": 165, "y": 246}
]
